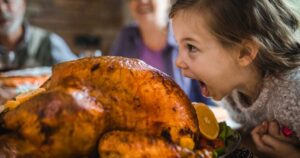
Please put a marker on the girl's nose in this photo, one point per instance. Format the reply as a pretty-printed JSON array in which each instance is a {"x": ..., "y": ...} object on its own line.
[{"x": 180, "y": 63}]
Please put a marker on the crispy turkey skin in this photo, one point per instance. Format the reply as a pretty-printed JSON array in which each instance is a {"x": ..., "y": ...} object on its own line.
[{"x": 91, "y": 97}]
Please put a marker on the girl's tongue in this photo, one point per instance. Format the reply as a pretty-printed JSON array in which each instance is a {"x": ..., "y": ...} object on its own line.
[{"x": 204, "y": 89}]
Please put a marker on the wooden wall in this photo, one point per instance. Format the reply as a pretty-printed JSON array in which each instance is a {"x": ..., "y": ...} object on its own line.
[{"x": 70, "y": 18}]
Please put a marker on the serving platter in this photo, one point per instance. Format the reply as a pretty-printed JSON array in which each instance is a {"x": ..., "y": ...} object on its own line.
[{"x": 15, "y": 82}]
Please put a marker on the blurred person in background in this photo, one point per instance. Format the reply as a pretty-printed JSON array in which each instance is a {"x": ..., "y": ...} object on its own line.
[
  {"x": 23, "y": 45},
  {"x": 150, "y": 39}
]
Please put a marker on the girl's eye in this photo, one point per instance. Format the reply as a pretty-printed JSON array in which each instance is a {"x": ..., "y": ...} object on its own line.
[{"x": 191, "y": 48}]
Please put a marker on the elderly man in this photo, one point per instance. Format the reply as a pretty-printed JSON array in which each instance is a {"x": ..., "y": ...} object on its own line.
[{"x": 23, "y": 45}]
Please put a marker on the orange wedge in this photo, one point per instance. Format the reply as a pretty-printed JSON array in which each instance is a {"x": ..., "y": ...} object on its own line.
[{"x": 208, "y": 124}]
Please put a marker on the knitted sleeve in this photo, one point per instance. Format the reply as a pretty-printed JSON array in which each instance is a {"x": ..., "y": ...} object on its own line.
[{"x": 288, "y": 111}]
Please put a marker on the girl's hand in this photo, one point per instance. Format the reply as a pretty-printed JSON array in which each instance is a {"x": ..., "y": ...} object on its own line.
[
  {"x": 270, "y": 141},
  {"x": 275, "y": 131},
  {"x": 257, "y": 133},
  {"x": 277, "y": 148}
]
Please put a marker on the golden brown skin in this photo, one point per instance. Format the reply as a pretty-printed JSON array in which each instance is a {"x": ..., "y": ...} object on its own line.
[
  {"x": 86, "y": 98},
  {"x": 135, "y": 145}
]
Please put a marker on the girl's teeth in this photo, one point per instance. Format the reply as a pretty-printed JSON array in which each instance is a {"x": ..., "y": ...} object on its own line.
[{"x": 204, "y": 90}]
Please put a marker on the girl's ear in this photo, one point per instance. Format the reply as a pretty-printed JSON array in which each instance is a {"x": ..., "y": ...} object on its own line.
[{"x": 248, "y": 52}]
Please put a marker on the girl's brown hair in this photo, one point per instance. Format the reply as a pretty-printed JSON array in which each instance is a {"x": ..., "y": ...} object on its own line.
[{"x": 269, "y": 22}]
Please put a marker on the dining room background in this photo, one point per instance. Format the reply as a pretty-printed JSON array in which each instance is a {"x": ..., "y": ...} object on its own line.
[{"x": 82, "y": 23}]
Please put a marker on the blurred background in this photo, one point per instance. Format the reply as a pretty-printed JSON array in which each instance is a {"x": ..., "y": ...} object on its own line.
[{"x": 84, "y": 24}]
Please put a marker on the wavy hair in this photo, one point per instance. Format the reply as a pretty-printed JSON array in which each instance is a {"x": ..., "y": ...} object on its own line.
[{"x": 268, "y": 22}]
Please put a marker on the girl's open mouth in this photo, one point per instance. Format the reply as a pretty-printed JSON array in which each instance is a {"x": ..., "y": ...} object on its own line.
[{"x": 204, "y": 89}]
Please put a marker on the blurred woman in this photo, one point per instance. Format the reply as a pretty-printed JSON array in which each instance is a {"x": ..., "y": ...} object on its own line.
[{"x": 150, "y": 39}]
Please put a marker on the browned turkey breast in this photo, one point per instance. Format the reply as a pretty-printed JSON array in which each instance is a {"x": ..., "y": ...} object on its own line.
[{"x": 112, "y": 99}]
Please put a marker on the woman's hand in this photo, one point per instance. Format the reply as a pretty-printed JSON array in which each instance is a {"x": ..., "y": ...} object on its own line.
[{"x": 269, "y": 140}]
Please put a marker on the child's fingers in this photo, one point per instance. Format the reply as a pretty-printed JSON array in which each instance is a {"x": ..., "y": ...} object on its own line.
[
  {"x": 261, "y": 129},
  {"x": 274, "y": 129},
  {"x": 264, "y": 126},
  {"x": 256, "y": 136},
  {"x": 278, "y": 147},
  {"x": 270, "y": 141},
  {"x": 260, "y": 146}
]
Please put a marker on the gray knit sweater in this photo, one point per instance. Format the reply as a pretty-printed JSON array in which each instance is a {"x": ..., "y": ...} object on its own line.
[{"x": 279, "y": 99}]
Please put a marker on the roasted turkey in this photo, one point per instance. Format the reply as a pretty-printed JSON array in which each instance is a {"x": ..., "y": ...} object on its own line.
[{"x": 101, "y": 107}]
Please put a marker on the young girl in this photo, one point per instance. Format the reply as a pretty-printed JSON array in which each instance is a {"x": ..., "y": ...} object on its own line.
[{"x": 244, "y": 53}]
